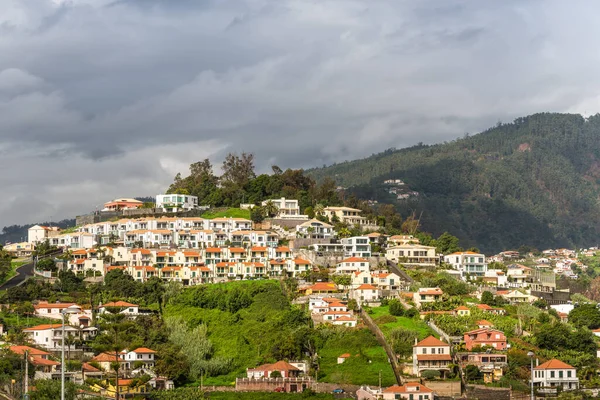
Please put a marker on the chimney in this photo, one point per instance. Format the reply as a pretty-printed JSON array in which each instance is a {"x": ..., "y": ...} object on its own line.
[
  {"x": 537, "y": 362},
  {"x": 416, "y": 341}
]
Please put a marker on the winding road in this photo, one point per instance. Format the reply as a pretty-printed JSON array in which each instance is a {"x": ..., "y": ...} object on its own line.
[{"x": 23, "y": 273}]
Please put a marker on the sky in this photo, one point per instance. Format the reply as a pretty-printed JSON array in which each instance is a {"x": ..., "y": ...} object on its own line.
[{"x": 112, "y": 98}]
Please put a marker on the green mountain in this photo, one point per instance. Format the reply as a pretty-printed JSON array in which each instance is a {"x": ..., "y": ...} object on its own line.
[{"x": 532, "y": 182}]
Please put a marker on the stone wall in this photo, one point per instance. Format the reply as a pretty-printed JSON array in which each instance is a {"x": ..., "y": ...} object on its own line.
[
  {"x": 482, "y": 392},
  {"x": 444, "y": 388},
  {"x": 102, "y": 216},
  {"x": 270, "y": 384}
]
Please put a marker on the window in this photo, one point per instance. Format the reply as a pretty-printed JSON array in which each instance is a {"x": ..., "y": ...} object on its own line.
[
  {"x": 441, "y": 350},
  {"x": 424, "y": 350},
  {"x": 551, "y": 374},
  {"x": 568, "y": 374},
  {"x": 560, "y": 374}
]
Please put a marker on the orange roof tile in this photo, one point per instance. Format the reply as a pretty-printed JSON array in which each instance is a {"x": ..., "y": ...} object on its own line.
[
  {"x": 431, "y": 341},
  {"x": 406, "y": 386},
  {"x": 32, "y": 351},
  {"x": 366, "y": 286},
  {"x": 143, "y": 350},
  {"x": 354, "y": 259},
  {"x": 119, "y": 304},
  {"x": 43, "y": 327},
  {"x": 213, "y": 250},
  {"x": 554, "y": 364}
]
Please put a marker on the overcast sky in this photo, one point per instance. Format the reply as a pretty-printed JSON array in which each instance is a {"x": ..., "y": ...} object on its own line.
[{"x": 111, "y": 98}]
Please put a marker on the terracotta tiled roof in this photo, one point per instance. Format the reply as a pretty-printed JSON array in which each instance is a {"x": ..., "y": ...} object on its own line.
[
  {"x": 426, "y": 357},
  {"x": 366, "y": 286},
  {"x": 355, "y": 259},
  {"x": 119, "y": 304},
  {"x": 43, "y": 361},
  {"x": 32, "y": 351},
  {"x": 278, "y": 366},
  {"x": 431, "y": 341},
  {"x": 144, "y": 350},
  {"x": 43, "y": 327},
  {"x": 554, "y": 364},
  {"x": 106, "y": 357},
  {"x": 405, "y": 388}
]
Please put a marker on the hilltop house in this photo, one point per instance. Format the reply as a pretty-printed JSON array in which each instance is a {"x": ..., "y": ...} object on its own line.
[
  {"x": 468, "y": 263},
  {"x": 555, "y": 374},
  {"x": 366, "y": 293},
  {"x": 414, "y": 255},
  {"x": 285, "y": 369},
  {"x": 427, "y": 295},
  {"x": 485, "y": 337},
  {"x": 49, "y": 336},
  {"x": 352, "y": 264},
  {"x": 408, "y": 391},
  {"x": 140, "y": 356},
  {"x": 315, "y": 229},
  {"x": 431, "y": 354}
]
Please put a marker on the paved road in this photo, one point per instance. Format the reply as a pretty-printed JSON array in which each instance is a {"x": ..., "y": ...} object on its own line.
[{"x": 23, "y": 273}]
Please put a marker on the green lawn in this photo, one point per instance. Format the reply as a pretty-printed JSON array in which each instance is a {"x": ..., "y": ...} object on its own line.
[
  {"x": 13, "y": 320},
  {"x": 414, "y": 324},
  {"x": 231, "y": 212},
  {"x": 367, "y": 359}
]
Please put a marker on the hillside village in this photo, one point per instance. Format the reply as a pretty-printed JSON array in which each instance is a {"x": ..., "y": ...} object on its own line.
[{"x": 383, "y": 316}]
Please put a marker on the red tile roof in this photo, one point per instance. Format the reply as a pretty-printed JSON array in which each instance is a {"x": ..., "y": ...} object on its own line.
[
  {"x": 278, "y": 366},
  {"x": 43, "y": 327},
  {"x": 405, "y": 388},
  {"x": 144, "y": 350},
  {"x": 354, "y": 259},
  {"x": 426, "y": 357},
  {"x": 554, "y": 364},
  {"x": 119, "y": 304},
  {"x": 431, "y": 341},
  {"x": 32, "y": 351},
  {"x": 366, "y": 286}
]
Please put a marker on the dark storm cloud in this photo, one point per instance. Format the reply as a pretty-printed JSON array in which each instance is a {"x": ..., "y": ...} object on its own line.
[{"x": 104, "y": 98}]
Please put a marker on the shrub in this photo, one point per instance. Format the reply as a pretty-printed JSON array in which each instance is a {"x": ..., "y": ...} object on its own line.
[
  {"x": 432, "y": 374},
  {"x": 396, "y": 308}
]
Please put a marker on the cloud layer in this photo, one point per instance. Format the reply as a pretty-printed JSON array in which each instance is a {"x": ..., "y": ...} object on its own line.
[{"x": 103, "y": 98}]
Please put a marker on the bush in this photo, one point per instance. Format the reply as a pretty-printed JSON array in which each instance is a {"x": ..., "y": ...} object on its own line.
[
  {"x": 396, "y": 308},
  {"x": 385, "y": 319},
  {"x": 432, "y": 374},
  {"x": 411, "y": 313}
]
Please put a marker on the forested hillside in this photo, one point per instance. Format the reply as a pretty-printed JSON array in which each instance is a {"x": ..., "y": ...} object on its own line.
[{"x": 531, "y": 182}]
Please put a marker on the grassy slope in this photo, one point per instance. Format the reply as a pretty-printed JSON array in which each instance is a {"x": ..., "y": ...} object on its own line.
[
  {"x": 252, "y": 335},
  {"x": 403, "y": 322},
  {"x": 368, "y": 358}
]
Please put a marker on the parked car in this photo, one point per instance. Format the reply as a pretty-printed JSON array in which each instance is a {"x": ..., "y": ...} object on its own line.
[
  {"x": 338, "y": 390},
  {"x": 280, "y": 389}
]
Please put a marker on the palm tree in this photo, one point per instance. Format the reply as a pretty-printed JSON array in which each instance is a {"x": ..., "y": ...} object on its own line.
[
  {"x": 319, "y": 209},
  {"x": 271, "y": 209},
  {"x": 69, "y": 341}
]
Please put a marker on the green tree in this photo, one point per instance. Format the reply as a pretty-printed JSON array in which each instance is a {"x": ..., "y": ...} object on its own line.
[
  {"x": 487, "y": 298},
  {"x": 587, "y": 315},
  {"x": 447, "y": 243}
]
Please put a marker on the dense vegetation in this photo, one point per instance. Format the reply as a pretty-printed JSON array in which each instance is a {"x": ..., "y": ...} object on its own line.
[
  {"x": 534, "y": 181},
  {"x": 226, "y": 328}
]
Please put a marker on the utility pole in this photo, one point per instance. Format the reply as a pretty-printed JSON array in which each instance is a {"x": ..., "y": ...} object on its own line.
[{"x": 26, "y": 372}]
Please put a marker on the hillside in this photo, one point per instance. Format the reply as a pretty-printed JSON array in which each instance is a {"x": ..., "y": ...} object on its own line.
[{"x": 531, "y": 182}]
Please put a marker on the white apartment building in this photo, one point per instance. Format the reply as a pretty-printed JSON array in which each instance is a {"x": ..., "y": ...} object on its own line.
[
  {"x": 357, "y": 246},
  {"x": 141, "y": 355},
  {"x": 347, "y": 215},
  {"x": 288, "y": 208},
  {"x": 468, "y": 263},
  {"x": 176, "y": 202},
  {"x": 352, "y": 265},
  {"x": 555, "y": 374},
  {"x": 431, "y": 354},
  {"x": 39, "y": 234},
  {"x": 315, "y": 229},
  {"x": 413, "y": 255},
  {"x": 49, "y": 336}
]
